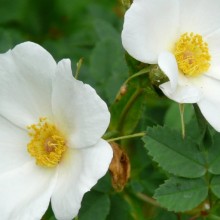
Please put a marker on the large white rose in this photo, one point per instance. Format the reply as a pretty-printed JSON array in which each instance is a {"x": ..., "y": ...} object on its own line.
[
  {"x": 183, "y": 38},
  {"x": 50, "y": 136}
]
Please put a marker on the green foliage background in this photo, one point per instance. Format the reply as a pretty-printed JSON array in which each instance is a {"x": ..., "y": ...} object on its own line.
[{"x": 90, "y": 29}]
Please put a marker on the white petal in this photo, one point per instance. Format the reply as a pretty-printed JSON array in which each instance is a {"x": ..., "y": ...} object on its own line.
[
  {"x": 210, "y": 103},
  {"x": 78, "y": 174},
  {"x": 78, "y": 111},
  {"x": 199, "y": 16},
  {"x": 26, "y": 192},
  {"x": 179, "y": 88},
  {"x": 214, "y": 50},
  {"x": 182, "y": 94},
  {"x": 13, "y": 146},
  {"x": 150, "y": 27},
  {"x": 26, "y": 83},
  {"x": 210, "y": 110},
  {"x": 168, "y": 65},
  {"x": 64, "y": 67}
]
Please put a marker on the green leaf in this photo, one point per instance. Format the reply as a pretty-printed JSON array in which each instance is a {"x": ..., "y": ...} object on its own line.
[
  {"x": 126, "y": 113},
  {"x": 134, "y": 114},
  {"x": 48, "y": 215},
  {"x": 193, "y": 131},
  {"x": 201, "y": 119},
  {"x": 120, "y": 209},
  {"x": 213, "y": 217},
  {"x": 215, "y": 185},
  {"x": 105, "y": 30},
  {"x": 175, "y": 155},
  {"x": 163, "y": 215},
  {"x": 180, "y": 194},
  {"x": 104, "y": 184},
  {"x": 133, "y": 64},
  {"x": 108, "y": 68},
  {"x": 172, "y": 117},
  {"x": 95, "y": 205},
  {"x": 11, "y": 12},
  {"x": 117, "y": 108},
  {"x": 214, "y": 155}
]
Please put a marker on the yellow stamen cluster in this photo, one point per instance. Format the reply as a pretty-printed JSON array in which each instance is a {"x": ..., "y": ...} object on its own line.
[
  {"x": 47, "y": 144},
  {"x": 192, "y": 54}
]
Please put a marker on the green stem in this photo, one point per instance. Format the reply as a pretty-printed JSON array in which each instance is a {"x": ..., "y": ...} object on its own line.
[
  {"x": 181, "y": 108},
  {"x": 208, "y": 179},
  {"x": 127, "y": 108},
  {"x": 179, "y": 216},
  {"x": 141, "y": 72},
  {"x": 148, "y": 199},
  {"x": 141, "y": 134}
]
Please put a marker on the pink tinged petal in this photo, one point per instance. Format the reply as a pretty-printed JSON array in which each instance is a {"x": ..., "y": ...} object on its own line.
[
  {"x": 168, "y": 65},
  {"x": 13, "y": 146},
  {"x": 210, "y": 103},
  {"x": 78, "y": 111},
  {"x": 26, "y": 83},
  {"x": 26, "y": 192},
  {"x": 150, "y": 27},
  {"x": 78, "y": 173},
  {"x": 199, "y": 16}
]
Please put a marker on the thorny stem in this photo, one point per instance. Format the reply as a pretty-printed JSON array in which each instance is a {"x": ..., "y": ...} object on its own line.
[
  {"x": 181, "y": 108},
  {"x": 141, "y": 134}
]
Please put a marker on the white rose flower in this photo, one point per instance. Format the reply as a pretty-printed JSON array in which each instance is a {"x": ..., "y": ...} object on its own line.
[
  {"x": 183, "y": 38},
  {"x": 50, "y": 136}
]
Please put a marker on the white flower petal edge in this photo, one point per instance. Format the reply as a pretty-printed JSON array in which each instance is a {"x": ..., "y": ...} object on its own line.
[
  {"x": 168, "y": 65},
  {"x": 64, "y": 68},
  {"x": 182, "y": 94},
  {"x": 214, "y": 48},
  {"x": 210, "y": 102},
  {"x": 78, "y": 173},
  {"x": 13, "y": 146},
  {"x": 18, "y": 199},
  {"x": 78, "y": 110},
  {"x": 141, "y": 36},
  {"x": 26, "y": 71}
]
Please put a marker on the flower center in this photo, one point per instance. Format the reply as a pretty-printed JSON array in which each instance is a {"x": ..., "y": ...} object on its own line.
[
  {"x": 192, "y": 54},
  {"x": 47, "y": 144}
]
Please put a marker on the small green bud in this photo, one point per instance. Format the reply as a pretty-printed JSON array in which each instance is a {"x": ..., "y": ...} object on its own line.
[
  {"x": 126, "y": 3},
  {"x": 156, "y": 76}
]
